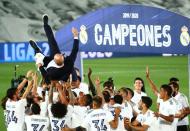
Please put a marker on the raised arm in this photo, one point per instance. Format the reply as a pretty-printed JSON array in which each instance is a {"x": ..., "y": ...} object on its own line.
[
  {"x": 29, "y": 87},
  {"x": 62, "y": 94},
  {"x": 91, "y": 86},
  {"x": 151, "y": 83},
  {"x": 98, "y": 88},
  {"x": 35, "y": 84},
  {"x": 25, "y": 80},
  {"x": 71, "y": 95},
  {"x": 75, "y": 49},
  {"x": 51, "y": 93}
]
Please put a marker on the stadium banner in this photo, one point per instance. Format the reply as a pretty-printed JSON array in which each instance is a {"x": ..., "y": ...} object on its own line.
[
  {"x": 129, "y": 28},
  {"x": 23, "y": 52},
  {"x": 20, "y": 51}
]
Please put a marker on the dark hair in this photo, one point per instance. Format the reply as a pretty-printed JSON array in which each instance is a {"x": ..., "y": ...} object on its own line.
[
  {"x": 3, "y": 102},
  {"x": 29, "y": 99},
  {"x": 59, "y": 110},
  {"x": 88, "y": 99},
  {"x": 118, "y": 99},
  {"x": 131, "y": 91},
  {"x": 80, "y": 128},
  {"x": 97, "y": 100},
  {"x": 174, "y": 84},
  {"x": 147, "y": 101},
  {"x": 174, "y": 79},
  {"x": 11, "y": 92},
  {"x": 107, "y": 96},
  {"x": 35, "y": 108},
  {"x": 109, "y": 83},
  {"x": 79, "y": 78},
  {"x": 168, "y": 89},
  {"x": 143, "y": 87}
]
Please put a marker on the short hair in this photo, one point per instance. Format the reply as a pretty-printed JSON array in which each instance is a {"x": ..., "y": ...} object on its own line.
[
  {"x": 143, "y": 87},
  {"x": 167, "y": 88},
  {"x": 174, "y": 84},
  {"x": 118, "y": 99},
  {"x": 124, "y": 89},
  {"x": 88, "y": 99},
  {"x": 174, "y": 79},
  {"x": 97, "y": 100},
  {"x": 147, "y": 101},
  {"x": 11, "y": 92},
  {"x": 59, "y": 110},
  {"x": 131, "y": 91},
  {"x": 107, "y": 96},
  {"x": 35, "y": 108}
]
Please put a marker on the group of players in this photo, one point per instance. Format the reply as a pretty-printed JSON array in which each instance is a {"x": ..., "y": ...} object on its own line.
[{"x": 61, "y": 102}]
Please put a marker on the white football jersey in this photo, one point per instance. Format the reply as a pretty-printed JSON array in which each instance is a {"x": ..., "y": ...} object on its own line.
[
  {"x": 37, "y": 123},
  {"x": 167, "y": 108},
  {"x": 78, "y": 115},
  {"x": 126, "y": 111},
  {"x": 98, "y": 120},
  {"x": 58, "y": 123},
  {"x": 44, "y": 106},
  {"x": 15, "y": 112},
  {"x": 83, "y": 87},
  {"x": 183, "y": 101},
  {"x": 137, "y": 97},
  {"x": 148, "y": 119}
]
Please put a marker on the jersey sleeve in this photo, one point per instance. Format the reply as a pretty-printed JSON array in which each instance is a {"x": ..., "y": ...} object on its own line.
[{"x": 109, "y": 116}]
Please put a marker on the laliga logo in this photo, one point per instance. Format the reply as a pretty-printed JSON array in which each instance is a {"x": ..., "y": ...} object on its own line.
[
  {"x": 83, "y": 34},
  {"x": 184, "y": 37}
]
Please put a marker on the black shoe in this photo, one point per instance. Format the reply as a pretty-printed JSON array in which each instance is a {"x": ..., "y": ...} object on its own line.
[
  {"x": 45, "y": 19},
  {"x": 34, "y": 46}
]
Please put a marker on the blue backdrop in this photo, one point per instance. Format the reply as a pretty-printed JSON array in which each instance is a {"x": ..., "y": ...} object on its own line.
[{"x": 129, "y": 28}]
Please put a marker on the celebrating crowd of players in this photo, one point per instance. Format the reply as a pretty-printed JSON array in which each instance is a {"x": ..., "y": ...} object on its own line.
[{"x": 64, "y": 103}]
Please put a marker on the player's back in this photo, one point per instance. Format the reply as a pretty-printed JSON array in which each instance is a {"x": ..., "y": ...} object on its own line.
[
  {"x": 98, "y": 120},
  {"x": 37, "y": 123},
  {"x": 15, "y": 112}
]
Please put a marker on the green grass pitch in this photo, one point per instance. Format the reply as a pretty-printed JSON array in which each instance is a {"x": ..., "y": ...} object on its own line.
[{"x": 122, "y": 70}]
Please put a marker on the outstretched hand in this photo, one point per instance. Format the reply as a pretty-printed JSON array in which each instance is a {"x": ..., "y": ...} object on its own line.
[
  {"x": 75, "y": 32},
  {"x": 97, "y": 81},
  {"x": 147, "y": 72}
]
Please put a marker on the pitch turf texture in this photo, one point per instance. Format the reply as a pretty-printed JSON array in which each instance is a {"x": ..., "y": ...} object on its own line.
[{"x": 122, "y": 70}]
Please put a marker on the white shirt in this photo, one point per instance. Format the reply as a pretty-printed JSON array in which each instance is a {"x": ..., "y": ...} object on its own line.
[
  {"x": 147, "y": 119},
  {"x": 53, "y": 64},
  {"x": 58, "y": 123},
  {"x": 126, "y": 111},
  {"x": 183, "y": 101},
  {"x": 83, "y": 87},
  {"x": 15, "y": 112},
  {"x": 39, "y": 91},
  {"x": 37, "y": 123},
  {"x": 167, "y": 108},
  {"x": 78, "y": 115},
  {"x": 137, "y": 97},
  {"x": 98, "y": 120}
]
